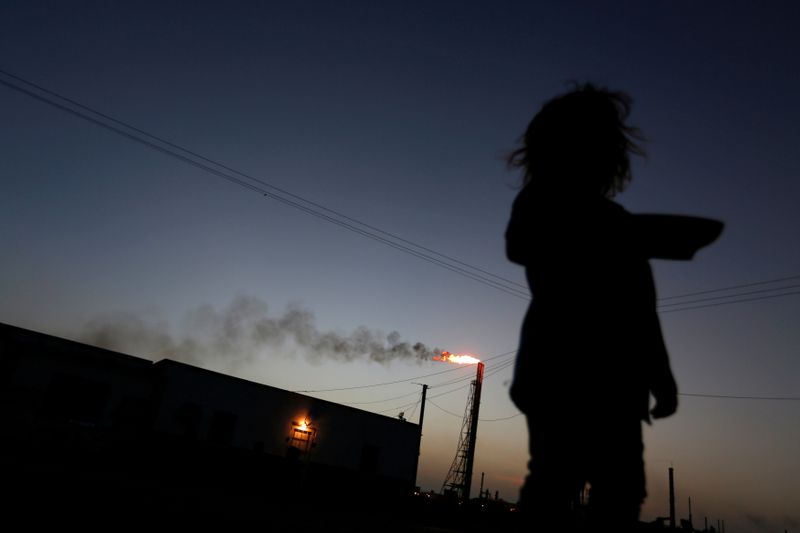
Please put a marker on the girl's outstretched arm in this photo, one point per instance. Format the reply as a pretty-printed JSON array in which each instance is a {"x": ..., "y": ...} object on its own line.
[{"x": 674, "y": 236}]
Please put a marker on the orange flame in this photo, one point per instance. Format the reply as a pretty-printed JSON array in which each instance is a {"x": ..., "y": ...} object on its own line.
[{"x": 458, "y": 359}]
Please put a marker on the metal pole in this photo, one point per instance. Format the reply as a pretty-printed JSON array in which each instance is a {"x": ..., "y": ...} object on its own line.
[
  {"x": 473, "y": 432},
  {"x": 422, "y": 407},
  {"x": 671, "y": 499},
  {"x": 419, "y": 439}
]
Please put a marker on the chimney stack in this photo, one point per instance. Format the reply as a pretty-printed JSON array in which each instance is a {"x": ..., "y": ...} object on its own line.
[{"x": 671, "y": 499}]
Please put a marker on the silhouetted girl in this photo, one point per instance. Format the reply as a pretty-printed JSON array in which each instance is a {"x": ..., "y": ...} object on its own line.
[{"x": 591, "y": 351}]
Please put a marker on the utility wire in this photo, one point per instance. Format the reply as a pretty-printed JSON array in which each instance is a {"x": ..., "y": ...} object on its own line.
[
  {"x": 502, "y": 366},
  {"x": 741, "y": 300},
  {"x": 443, "y": 409},
  {"x": 731, "y": 287},
  {"x": 499, "y": 368},
  {"x": 694, "y": 395},
  {"x": 733, "y": 397},
  {"x": 381, "y": 401},
  {"x": 445, "y": 393},
  {"x": 451, "y": 413},
  {"x": 378, "y": 384},
  {"x": 493, "y": 369},
  {"x": 460, "y": 387},
  {"x": 727, "y": 296},
  {"x": 266, "y": 189},
  {"x": 459, "y": 367},
  {"x": 452, "y": 381},
  {"x": 315, "y": 209},
  {"x": 506, "y": 365},
  {"x": 404, "y": 406},
  {"x": 413, "y": 411},
  {"x": 499, "y": 419},
  {"x": 717, "y": 396}
]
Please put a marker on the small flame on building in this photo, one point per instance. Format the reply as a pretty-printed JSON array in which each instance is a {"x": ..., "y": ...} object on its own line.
[{"x": 458, "y": 359}]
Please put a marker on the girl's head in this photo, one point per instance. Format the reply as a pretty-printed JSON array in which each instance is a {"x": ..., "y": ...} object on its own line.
[{"x": 579, "y": 142}]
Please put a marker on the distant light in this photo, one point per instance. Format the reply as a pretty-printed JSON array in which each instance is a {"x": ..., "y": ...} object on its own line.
[{"x": 304, "y": 425}]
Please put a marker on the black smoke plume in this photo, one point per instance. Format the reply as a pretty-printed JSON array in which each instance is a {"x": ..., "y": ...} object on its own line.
[{"x": 242, "y": 332}]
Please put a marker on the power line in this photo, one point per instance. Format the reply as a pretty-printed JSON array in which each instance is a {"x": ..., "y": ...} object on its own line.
[
  {"x": 717, "y": 396},
  {"x": 443, "y": 409},
  {"x": 741, "y": 300},
  {"x": 404, "y": 406},
  {"x": 406, "y": 379},
  {"x": 731, "y": 287},
  {"x": 734, "y": 397},
  {"x": 465, "y": 378},
  {"x": 494, "y": 369},
  {"x": 266, "y": 189},
  {"x": 468, "y": 378},
  {"x": 460, "y": 387},
  {"x": 499, "y": 368},
  {"x": 445, "y": 393},
  {"x": 499, "y": 419},
  {"x": 371, "y": 385},
  {"x": 505, "y": 365},
  {"x": 315, "y": 209},
  {"x": 452, "y": 381},
  {"x": 724, "y": 297},
  {"x": 414, "y": 408},
  {"x": 451, "y": 413},
  {"x": 381, "y": 401}
]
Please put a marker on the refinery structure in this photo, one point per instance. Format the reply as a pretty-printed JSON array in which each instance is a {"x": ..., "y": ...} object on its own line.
[{"x": 458, "y": 481}]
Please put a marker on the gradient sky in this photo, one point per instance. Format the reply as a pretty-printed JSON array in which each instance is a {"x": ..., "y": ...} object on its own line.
[{"x": 398, "y": 114}]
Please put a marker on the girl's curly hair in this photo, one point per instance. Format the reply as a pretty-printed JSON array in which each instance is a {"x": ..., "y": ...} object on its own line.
[{"x": 579, "y": 140}]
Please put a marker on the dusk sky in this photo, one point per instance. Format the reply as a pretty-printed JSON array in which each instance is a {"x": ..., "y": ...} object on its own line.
[{"x": 397, "y": 115}]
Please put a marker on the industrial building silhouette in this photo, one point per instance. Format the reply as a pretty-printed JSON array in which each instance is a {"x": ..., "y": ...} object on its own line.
[{"x": 87, "y": 430}]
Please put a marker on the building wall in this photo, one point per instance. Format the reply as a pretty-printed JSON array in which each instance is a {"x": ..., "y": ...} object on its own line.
[
  {"x": 60, "y": 397},
  {"x": 205, "y": 405},
  {"x": 47, "y": 381}
]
